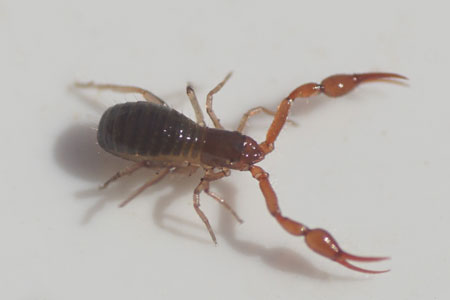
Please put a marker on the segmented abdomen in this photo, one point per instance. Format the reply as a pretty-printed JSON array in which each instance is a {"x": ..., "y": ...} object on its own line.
[{"x": 145, "y": 130}]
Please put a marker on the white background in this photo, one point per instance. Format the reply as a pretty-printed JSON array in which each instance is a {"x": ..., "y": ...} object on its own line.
[{"x": 372, "y": 167}]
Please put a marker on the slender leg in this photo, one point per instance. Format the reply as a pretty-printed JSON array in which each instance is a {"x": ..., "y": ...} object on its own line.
[
  {"x": 127, "y": 171},
  {"x": 198, "y": 111},
  {"x": 209, "y": 99},
  {"x": 151, "y": 182},
  {"x": 125, "y": 89},
  {"x": 200, "y": 187},
  {"x": 333, "y": 86},
  {"x": 319, "y": 240},
  {"x": 224, "y": 203},
  {"x": 254, "y": 111},
  {"x": 204, "y": 186}
]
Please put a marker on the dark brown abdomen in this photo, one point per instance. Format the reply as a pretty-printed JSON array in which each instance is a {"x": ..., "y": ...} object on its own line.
[{"x": 145, "y": 131}]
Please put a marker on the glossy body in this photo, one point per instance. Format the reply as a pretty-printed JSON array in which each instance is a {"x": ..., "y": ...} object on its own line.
[{"x": 144, "y": 131}]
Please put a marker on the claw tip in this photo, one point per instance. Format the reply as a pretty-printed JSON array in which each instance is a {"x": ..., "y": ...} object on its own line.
[{"x": 358, "y": 269}]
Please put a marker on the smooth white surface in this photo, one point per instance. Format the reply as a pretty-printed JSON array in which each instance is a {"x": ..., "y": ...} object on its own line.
[{"x": 372, "y": 167}]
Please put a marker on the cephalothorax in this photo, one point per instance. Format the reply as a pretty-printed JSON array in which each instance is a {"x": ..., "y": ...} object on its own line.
[{"x": 152, "y": 134}]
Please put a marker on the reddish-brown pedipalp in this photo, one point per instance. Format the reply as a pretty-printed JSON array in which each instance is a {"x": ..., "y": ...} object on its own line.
[
  {"x": 318, "y": 240},
  {"x": 218, "y": 150}
]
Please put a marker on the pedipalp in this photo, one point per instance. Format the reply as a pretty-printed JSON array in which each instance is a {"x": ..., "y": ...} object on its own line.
[
  {"x": 332, "y": 86},
  {"x": 319, "y": 240}
]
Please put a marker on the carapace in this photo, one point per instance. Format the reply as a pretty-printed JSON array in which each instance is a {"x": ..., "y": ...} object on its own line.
[{"x": 152, "y": 134}]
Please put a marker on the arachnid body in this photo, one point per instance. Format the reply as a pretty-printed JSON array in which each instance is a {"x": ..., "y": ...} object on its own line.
[{"x": 150, "y": 133}]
